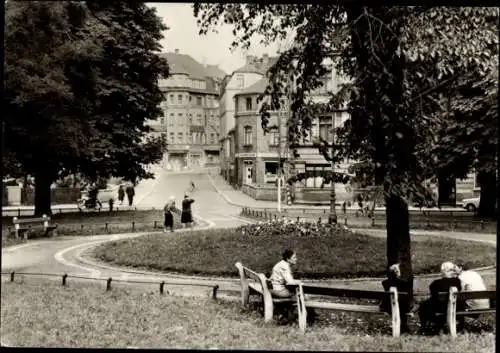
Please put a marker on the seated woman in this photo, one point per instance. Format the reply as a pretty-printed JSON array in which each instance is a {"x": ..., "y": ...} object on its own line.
[
  {"x": 434, "y": 305},
  {"x": 281, "y": 277},
  {"x": 394, "y": 280}
]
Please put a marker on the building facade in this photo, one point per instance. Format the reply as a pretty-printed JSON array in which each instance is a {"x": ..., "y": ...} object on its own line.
[
  {"x": 190, "y": 113},
  {"x": 242, "y": 78}
]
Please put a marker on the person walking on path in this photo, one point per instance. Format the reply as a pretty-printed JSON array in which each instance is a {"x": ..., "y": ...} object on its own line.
[
  {"x": 130, "y": 193},
  {"x": 168, "y": 211},
  {"x": 187, "y": 215},
  {"x": 121, "y": 194}
]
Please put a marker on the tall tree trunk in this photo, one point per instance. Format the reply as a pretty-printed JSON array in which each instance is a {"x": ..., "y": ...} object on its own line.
[
  {"x": 398, "y": 236},
  {"x": 43, "y": 180},
  {"x": 488, "y": 197}
]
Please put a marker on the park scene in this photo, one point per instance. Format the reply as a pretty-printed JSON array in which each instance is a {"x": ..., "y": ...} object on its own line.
[{"x": 249, "y": 176}]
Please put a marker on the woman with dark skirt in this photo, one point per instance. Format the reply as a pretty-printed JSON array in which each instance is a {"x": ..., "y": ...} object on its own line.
[
  {"x": 186, "y": 215},
  {"x": 169, "y": 210}
]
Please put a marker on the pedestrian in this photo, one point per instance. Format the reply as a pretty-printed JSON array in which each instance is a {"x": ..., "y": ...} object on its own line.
[
  {"x": 121, "y": 194},
  {"x": 344, "y": 207},
  {"x": 129, "y": 190},
  {"x": 405, "y": 302},
  {"x": 432, "y": 311},
  {"x": 168, "y": 211},
  {"x": 186, "y": 214}
]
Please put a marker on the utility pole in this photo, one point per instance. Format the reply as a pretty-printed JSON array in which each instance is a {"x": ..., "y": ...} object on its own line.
[{"x": 333, "y": 196}]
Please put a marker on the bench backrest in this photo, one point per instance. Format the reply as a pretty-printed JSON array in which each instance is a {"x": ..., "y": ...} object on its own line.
[
  {"x": 16, "y": 220},
  {"x": 465, "y": 295},
  {"x": 246, "y": 273},
  {"x": 346, "y": 292}
]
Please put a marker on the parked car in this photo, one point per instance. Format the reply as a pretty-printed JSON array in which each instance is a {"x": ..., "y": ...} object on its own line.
[
  {"x": 471, "y": 204},
  {"x": 103, "y": 197}
]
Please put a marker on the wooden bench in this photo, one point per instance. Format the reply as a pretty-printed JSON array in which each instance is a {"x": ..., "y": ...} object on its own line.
[
  {"x": 257, "y": 283},
  {"x": 25, "y": 225},
  {"x": 455, "y": 296},
  {"x": 328, "y": 292}
]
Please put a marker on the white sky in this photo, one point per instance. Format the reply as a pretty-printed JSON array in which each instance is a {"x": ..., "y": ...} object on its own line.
[{"x": 212, "y": 48}]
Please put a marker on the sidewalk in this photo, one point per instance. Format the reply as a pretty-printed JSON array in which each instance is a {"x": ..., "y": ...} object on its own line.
[
  {"x": 240, "y": 199},
  {"x": 142, "y": 190}
]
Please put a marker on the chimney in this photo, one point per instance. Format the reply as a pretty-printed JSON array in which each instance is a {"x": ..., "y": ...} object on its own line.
[{"x": 176, "y": 51}]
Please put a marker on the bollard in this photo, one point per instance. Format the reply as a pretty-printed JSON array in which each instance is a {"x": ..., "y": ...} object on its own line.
[
  {"x": 154, "y": 225},
  {"x": 162, "y": 284},
  {"x": 106, "y": 226},
  {"x": 12, "y": 276},
  {"x": 133, "y": 225},
  {"x": 64, "y": 279},
  {"x": 214, "y": 291},
  {"x": 111, "y": 202},
  {"x": 108, "y": 284}
]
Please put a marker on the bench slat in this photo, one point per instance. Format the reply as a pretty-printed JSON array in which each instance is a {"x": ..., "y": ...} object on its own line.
[
  {"x": 251, "y": 274},
  {"x": 478, "y": 311},
  {"x": 489, "y": 294},
  {"x": 255, "y": 287},
  {"x": 343, "y": 307},
  {"x": 30, "y": 220},
  {"x": 345, "y": 292}
]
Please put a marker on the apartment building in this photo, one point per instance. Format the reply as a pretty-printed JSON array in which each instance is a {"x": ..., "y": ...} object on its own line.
[
  {"x": 191, "y": 113},
  {"x": 254, "y": 70}
]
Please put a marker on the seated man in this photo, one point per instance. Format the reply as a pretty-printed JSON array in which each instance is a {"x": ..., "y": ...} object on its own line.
[
  {"x": 430, "y": 307},
  {"x": 472, "y": 281},
  {"x": 394, "y": 280}
]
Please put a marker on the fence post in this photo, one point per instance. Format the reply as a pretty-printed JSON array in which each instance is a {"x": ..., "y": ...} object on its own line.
[
  {"x": 81, "y": 227},
  {"x": 345, "y": 221},
  {"x": 18, "y": 212},
  {"x": 154, "y": 226},
  {"x": 373, "y": 220},
  {"x": 64, "y": 279},
  {"x": 133, "y": 225},
  {"x": 482, "y": 224},
  {"x": 275, "y": 217},
  {"x": 12, "y": 274},
  {"x": 161, "y": 287},
  {"x": 108, "y": 284},
  {"x": 319, "y": 220},
  {"x": 106, "y": 226},
  {"x": 214, "y": 291}
]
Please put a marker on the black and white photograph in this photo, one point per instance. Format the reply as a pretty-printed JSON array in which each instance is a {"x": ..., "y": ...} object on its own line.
[{"x": 228, "y": 176}]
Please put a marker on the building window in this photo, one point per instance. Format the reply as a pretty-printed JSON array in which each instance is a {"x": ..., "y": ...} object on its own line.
[
  {"x": 179, "y": 98},
  {"x": 180, "y": 137},
  {"x": 249, "y": 103},
  {"x": 172, "y": 137},
  {"x": 270, "y": 172},
  {"x": 199, "y": 120},
  {"x": 240, "y": 81},
  {"x": 162, "y": 121},
  {"x": 171, "y": 99},
  {"x": 199, "y": 101},
  {"x": 316, "y": 180},
  {"x": 212, "y": 139},
  {"x": 248, "y": 135},
  {"x": 274, "y": 137},
  {"x": 209, "y": 101},
  {"x": 190, "y": 138},
  {"x": 325, "y": 128},
  {"x": 190, "y": 98}
]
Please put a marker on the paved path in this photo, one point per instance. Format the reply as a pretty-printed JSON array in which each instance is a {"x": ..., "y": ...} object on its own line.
[{"x": 65, "y": 255}]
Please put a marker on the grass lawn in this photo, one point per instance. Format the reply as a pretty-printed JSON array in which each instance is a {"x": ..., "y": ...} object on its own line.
[
  {"x": 342, "y": 255},
  {"x": 46, "y": 314}
]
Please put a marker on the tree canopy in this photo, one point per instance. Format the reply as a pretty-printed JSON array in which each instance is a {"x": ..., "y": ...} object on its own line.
[
  {"x": 401, "y": 62},
  {"x": 81, "y": 80}
]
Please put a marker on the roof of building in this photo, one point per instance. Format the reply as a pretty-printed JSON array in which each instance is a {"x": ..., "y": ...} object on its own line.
[
  {"x": 185, "y": 64},
  {"x": 259, "y": 66},
  {"x": 215, "y": 71},
  {"x": 258, "y": 87}
]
